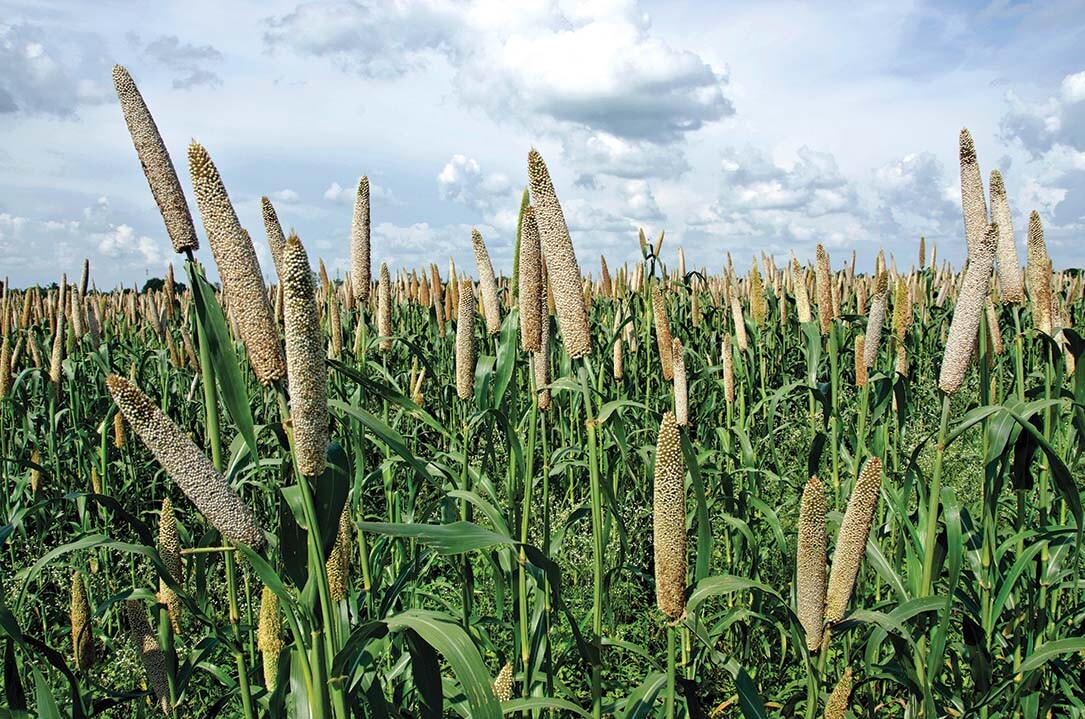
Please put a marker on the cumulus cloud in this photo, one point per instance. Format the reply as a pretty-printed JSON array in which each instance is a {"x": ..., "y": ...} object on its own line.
[
  {"x": 186, "y": 59},
  {"x": 608, "y": 154},
  {"x": 43, "y": 74},
  {"x": 288, "y": 196},
  {"x": 916, "y": 196},
  {"x": 344, "y": 195},
  {"x": 639, "y": 202},
  {"x": 593, "y": 74},
  {"x": 122, "y": 242},
  {"x": 812, "y": 186},
  {"x": 380, "y": 40},
  {"x": 1052, "y": 134},
  {"x": 462, "y": 180},
  {"x": 43, "y": 247}
]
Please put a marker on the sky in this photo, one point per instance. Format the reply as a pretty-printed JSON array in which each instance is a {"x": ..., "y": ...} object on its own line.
[{"x": 740, "y": 127}]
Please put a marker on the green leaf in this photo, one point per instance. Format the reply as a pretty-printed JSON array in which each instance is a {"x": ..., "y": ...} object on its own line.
[
  {"x": 1051, "y": 650},
  {"x": 451, "y": 641},
  {"x": 47, "y": 706},
  {"x": 223, "y": 358}
]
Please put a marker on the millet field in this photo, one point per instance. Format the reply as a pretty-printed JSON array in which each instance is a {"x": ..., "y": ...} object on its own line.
[{"x": 766, "y": 489}]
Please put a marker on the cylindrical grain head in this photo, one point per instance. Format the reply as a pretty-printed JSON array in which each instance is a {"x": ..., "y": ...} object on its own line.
[
  {"x": 965, "y": 325},
  {"x": 186, "y": 464},
  {"x": 561, "y": 261},
  {"x": 503, "y": 683},
  {"x": 276, "y": 240},
  {"x": 922, "y": 252},
  {"x": 836, "y": 706},
  {"x": 83, "y": 652},
  {"x": 487, "y": 285},
  {"x": 994, "y": 332},
  {"x": 150, "y": 654},
  {"x": 728, "y": 370},
  {"x": 5, "y": 367},
  {"x": 663, "y": 333},
  {"x": 759, "y": 307},
  {"x": 306, "y": 374},
  {"x": 1039, "y": 275},
  {"x": 973, "y": 203},
  {"x": 156, "y": 162},
  {"x": 617, "y": 363},
  {"x": 802, "y": 299},
  {"x": 384, "y": 308},
  {"x": 669, "y": 521},
  {"x": 338, "y": 564},
  {"x": 1012, "y": 291},
  {"x": 269, "y": 636},
  {"x": 529, "y": 284},
  {"x": 465, "y": 343},
  {"x": 169, "y": 548},
  {"x": 851, "y": 540},
  {"x": 902, "y": 309},
  {"x": 681, "y": 390},
  {"x": 741, "y": 338},
  {"x": 876, "y": 320},
  {"x": 824, "y": 285},
  {"x": 242, "y": 283},
  {"x": 810, "y": 560},
  {"x": 359, "y": 242},
  {"x": 860, "y": 362},
  {"x": 540, "y": 361}
]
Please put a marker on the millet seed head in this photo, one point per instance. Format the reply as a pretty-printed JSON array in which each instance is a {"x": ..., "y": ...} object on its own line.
[
  {"x": 973, "y": 203},
  {"x": 669, "y": 521},
  {"x": 269, "y": 639},
  {"x": 836, "y": 706},
  {"x": 150, "y": 654},
  {"x": 1012, "y": 290},
  {"x": 1038, "y": 270},
  {"x": 465, "y": 343},
  {"x": 529, "y": 284},
  {"x": 487, "y": 284},
  {"x": 83, "y": 651},
  {"x": 663, "y": 332},
  {"x": 359, "y": 242},
  {"x": 186, "y": 465},
  {"x": 156, "y": 162},
  {"x": 964, "y": 327},
  {"x": 681, "y": 389},
  {"x": 307, "y": 375},
  {"x": 810, "y": 575},
  {"x": 563, "y": 269},
  {"x": 235, "y": 256},
  {"x": 851, "y": 540},
  {"x": 276, "y": 240}
]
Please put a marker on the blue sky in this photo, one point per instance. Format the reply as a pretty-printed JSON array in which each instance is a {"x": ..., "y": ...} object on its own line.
[{"x": 737, "y": 127}]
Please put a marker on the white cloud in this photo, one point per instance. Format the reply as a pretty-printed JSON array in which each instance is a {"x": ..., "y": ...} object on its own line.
[
  {"x": 287, "y": 195},
  {"x": 345, "y": 195},
  {"x": 122, "y": 242},
  {"x": 462, "y": 180},
  {"x": 640, "y": 203},
  {"x": 50, "y": 77}
]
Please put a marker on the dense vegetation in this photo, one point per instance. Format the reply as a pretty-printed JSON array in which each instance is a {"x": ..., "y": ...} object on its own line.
[{"x": 788, "y": 491}]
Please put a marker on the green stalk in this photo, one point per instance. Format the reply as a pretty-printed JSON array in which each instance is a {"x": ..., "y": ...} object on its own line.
[
  {"x": 243, "y": 687},
  {"x": 317, "y": 569},
  {"x": 670, "y": 674},
  {"x": 925, "y": 587},
  {"x": 525, "y": 525},
  {"x": 597, "y": 537},
  {"x": 834, "y": 380}
]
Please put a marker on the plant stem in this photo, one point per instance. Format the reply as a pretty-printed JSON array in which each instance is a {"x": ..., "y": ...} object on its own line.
[{"x": 925, "y": 587}]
